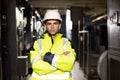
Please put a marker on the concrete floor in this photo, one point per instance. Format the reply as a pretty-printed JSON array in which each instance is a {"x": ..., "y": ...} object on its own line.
[{"x": 77, "y": 73}]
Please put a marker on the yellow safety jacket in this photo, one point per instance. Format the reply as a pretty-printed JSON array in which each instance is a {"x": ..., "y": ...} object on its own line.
[{"x": 61, "y": 65}]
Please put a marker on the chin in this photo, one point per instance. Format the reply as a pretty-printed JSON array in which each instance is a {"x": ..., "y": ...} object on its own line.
[{"x": 53, "y": 34}]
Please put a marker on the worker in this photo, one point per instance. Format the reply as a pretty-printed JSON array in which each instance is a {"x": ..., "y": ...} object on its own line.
[{"x": 53, "y": 56}]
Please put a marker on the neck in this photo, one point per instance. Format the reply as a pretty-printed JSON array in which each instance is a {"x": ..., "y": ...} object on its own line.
[{"x": 53, "y": 36}]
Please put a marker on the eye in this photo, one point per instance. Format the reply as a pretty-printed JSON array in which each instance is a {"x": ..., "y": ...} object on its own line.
[
  {"x": 56, "y": 23},
  {"x": 48, "y": 24}
]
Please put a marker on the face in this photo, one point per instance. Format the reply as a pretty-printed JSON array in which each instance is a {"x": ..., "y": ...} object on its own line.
[{"x": 52, "y": 26}]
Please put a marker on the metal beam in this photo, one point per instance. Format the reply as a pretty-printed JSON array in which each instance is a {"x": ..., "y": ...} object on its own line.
[{"x": 66, "y": 3}]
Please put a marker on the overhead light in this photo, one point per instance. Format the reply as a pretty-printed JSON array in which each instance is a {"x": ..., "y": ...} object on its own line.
[{"x": 99, "y": 18}]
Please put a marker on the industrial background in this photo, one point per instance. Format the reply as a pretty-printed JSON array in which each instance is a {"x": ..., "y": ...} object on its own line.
[{"x": 94, "y": 29}]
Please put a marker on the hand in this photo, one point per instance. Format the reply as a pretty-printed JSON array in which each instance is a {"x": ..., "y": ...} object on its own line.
[
  {"x": 66, "y": 53},
  {"x": 48, "y": 57}
]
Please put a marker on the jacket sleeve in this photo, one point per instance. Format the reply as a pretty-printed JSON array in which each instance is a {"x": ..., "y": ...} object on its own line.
[
  {"x": 65, "y": 62},
  {"x": 38, "y": 65}
]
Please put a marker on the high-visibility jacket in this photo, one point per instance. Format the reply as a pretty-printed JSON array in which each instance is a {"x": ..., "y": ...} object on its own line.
[{"x": 61, "y": 65}]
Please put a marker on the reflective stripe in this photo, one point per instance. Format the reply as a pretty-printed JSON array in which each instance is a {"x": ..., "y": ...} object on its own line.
[
  {"x": 54, "y": 68},
  {"x": 54, "y": 60},
  {"x": 53, "y": 76},
  {"x": 65, "y": 44},
  {"x": 35, "y": 59},
  {"x": 72, "y": 54},
  {"x": 40, "y": 46}
]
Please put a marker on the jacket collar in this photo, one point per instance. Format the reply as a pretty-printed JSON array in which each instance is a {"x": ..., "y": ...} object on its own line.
[{"x": 57, "y": 36}]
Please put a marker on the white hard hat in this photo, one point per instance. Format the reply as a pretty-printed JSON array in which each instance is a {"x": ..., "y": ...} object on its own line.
[{"x": 52, "y": 14}]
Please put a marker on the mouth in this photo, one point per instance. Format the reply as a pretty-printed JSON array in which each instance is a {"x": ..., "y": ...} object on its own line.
[{"x": 52, "y": 30}]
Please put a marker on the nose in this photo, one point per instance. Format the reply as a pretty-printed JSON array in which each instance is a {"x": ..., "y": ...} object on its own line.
[{"x": 52, "y": 25}]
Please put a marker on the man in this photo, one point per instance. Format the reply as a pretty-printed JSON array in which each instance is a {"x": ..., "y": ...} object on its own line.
[{"x": 53, "y": 57}]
